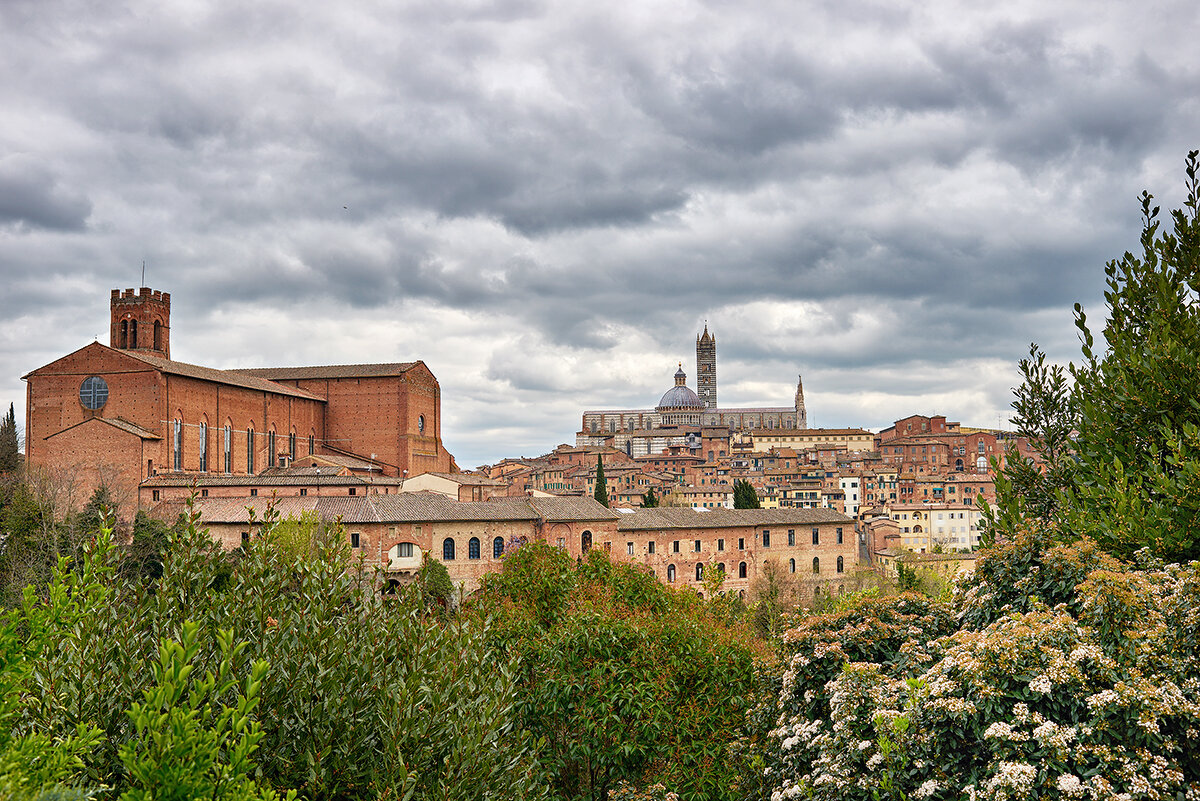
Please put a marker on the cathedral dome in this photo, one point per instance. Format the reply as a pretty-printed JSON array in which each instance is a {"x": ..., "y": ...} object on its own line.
[{"x": 679, "y": 396}]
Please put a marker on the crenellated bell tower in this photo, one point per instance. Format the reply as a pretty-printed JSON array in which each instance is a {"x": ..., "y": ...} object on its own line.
[{"x": 141, "y": 321}]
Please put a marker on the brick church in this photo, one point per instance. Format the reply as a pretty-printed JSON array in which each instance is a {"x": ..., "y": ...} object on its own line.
[{"x": 122, "y": 413}]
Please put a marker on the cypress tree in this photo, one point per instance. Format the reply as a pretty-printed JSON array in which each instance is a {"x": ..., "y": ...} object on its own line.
[
  {"x": 8, "y": 442},
  {"x": 650, "y": 501},
  {"x": 744, "y": 495},
  {"x": 601, "y": 494}
]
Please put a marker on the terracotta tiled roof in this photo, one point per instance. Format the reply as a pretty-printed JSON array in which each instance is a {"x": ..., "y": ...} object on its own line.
[
  {"x": 330, "y": 371},
  {"x": 115, "y": 422},
  {"x": 566, "y": 508},
  {"x": 414, "y": 507},
  {"x": 668, "y": 517},
  {"x": 466, "y": 479},
  {"x": 234, "y": 378}
]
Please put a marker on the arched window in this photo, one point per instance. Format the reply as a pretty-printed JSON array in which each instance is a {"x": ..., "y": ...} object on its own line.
[
  {"x": 585, "y": 542},
  {"x": 124, "y": 333},
  {"x": 721, "y": 568},
  {"x": 227, "y": 448},
  {"x": 312, "y": 443},
  {"x": 133, "y": 337},
  {"x": 742, "y": 570},
  {"x": 177, "y": 444},
  {"x": 158, "y": 335},
  {"x": 792, "y": 565},
  {"x": 497, "y": 547},
  {"x": 670, "y": 572},
  {"x": 250, "y": 450},
  {"x": 203, "y": 447},
  {"x": 473, "y": 548},
  {"x": 271, "y": 448},
  {"x": 981, "y": 463},
  {"x": 816, "y": 564},
  {"x": 841, "y": 565},
  {"x": 448, "y": 549},
  {"x": 292, "y": 444},
  {"x": 699, "y": 572}
]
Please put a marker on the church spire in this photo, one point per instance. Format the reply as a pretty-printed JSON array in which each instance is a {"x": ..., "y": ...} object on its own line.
[{"x": 801, "y": 412}]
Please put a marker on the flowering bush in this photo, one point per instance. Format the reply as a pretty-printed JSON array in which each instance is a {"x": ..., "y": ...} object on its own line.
[{"x": 1096, "y": 697}]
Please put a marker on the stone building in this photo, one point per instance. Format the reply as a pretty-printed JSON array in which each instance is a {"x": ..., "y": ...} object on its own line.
[
  {"x": 815, "y": 549},
  {"x": 122, "y": 413},
  {"x": 681, "y": 415}
]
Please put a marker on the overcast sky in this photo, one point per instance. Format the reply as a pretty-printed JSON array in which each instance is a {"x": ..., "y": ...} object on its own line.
[{"x": 544, "y": 201}]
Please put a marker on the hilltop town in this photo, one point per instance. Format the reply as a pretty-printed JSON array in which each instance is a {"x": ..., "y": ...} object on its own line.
[{"x": 363, "y": 444}]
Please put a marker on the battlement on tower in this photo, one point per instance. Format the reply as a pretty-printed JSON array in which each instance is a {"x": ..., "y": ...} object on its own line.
[
  {"x": 141, "y": 320},
  {"x": 145, "y": 293}
]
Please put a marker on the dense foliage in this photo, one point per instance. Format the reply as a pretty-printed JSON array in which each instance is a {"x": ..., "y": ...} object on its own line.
[
  {"x": 1121, "y": 442},
  {"x": 626, "y": 681},
  {"x": 9, "y": 443},
  {"x": 234, "y": 679},
  {"x": 1068, "y": 664}
]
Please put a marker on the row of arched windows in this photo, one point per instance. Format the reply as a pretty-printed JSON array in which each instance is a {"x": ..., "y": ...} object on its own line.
[
  {"x": 129, "y": 335},
  {"x": 742, "y": 568},
  {"x": 225, "y": 463},
  {"x": 473, "y": 548},
  {"x": 816, "y": 565}
]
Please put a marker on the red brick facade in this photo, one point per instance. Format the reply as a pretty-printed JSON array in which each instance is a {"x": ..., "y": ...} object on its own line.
[{"x": 115, "y": 416}]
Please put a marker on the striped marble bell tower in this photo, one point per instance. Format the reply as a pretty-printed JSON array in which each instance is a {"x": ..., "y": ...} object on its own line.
[{"x": 706, "y": 368}]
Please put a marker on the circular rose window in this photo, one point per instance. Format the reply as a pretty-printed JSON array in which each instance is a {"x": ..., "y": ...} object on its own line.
[{"x": 93, "y": 392}]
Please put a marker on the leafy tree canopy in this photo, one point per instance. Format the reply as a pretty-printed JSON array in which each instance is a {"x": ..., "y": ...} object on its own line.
[{"x": 1120, "y": 438}]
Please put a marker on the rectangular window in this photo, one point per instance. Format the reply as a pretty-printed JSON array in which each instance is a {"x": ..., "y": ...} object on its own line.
[
  {"x": 254, "y": 492},
  {"x": 650, "y": 546},
  {"x": 303, "y": 491},
  {"x": 250, "y": 451},
  {"x": 203, "y": 493},
  {"x": 720, "y": 545},
  {"x": 791, "y": 536},
  {"x": 816, "y": 536},
  {"x": 766, "y": 539},
  {"x": 629, "y": 548},
  {"x": 245, "y": 536},
  {"x": 839, "y": 535},
  {"x": 741, "y": 543},
  {"x": 406, "y": 550},
  {"x": 204, "y": 447},
  {"x": 696, "y": 546},
  {"x": 675, "y": 546},
  {"x": 354, "y": 539},
  {"x": 270, "y": 449},
  {"x": 353, "y": 490},
  {"x": 155, "y": 494}
]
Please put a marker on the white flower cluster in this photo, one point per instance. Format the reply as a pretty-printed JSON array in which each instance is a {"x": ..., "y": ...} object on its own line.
[
  {"x": 927, "y": 789},
  {"x": 1041, "y": 684},
  {"x": 1014, "y": 777},
  {"x": 1069, "y": 785}
]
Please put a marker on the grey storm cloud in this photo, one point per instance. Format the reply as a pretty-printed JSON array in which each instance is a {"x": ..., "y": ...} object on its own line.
[
  {"x": 31, "y": 196},
  {"x": 536, "y": 197}
]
